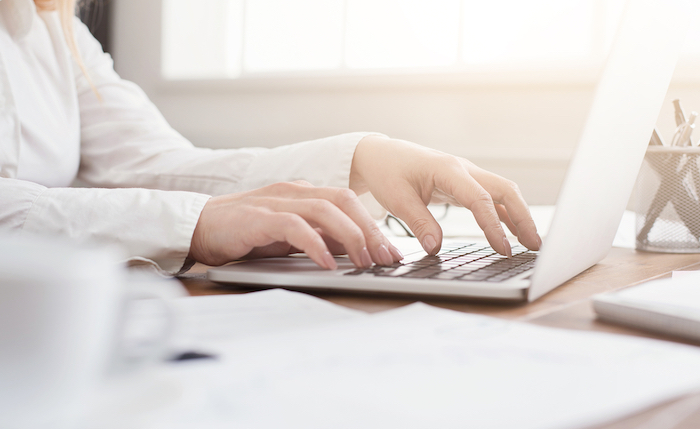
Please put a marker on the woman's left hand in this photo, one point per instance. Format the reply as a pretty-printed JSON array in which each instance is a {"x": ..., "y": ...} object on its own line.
[{"x": 405, "y": 178}]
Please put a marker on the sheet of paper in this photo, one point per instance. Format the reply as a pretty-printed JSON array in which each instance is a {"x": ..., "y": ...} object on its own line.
[
  {"x": 686, "y": 275},
  {"x": 420, "y": 366},
  {"x": 626, "y": 236},
  {"x": 682, "y": 292},
  {"x": 206, "y": 323}
]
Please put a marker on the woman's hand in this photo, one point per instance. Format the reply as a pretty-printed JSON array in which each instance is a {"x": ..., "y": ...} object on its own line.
[
  {"x": 288, "y": 218},
  {"x": 405, "y": 177}
]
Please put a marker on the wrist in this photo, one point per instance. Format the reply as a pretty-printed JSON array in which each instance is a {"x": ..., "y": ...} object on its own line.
[{"x": 360, "y": 161}]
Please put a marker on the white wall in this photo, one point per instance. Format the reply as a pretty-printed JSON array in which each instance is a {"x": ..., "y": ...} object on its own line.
[{"x": 524, "y": 130}]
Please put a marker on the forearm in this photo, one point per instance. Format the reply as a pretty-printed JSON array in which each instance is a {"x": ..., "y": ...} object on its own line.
[{"x": 151, "y": 225}]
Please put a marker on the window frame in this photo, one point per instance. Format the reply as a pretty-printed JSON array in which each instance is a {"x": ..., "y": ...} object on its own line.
[{"x": 140, "y": 24}]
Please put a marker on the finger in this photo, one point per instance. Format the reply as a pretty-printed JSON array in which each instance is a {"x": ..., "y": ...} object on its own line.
[
  {"x": 505, "y": 192},
  {"x": 292, "y": 229},
  {"x": 380, "y": 248},
  {"x": 413, "y": 211},
  {"x": 335, "y": 247},
  {"x": 503, "y": 215},
  {"x": 459, "y": 183},
  {"x": 284, "y": 249},
  {"x": 332, "y": 221}
]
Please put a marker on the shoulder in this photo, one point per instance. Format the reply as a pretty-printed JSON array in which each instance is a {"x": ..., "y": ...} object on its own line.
[
  {"x": 98, "y": 63},
  {"x": 89, "y": 48}
]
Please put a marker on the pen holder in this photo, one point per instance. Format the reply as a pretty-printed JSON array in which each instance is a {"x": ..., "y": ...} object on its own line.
[{"x": 667, "y": 201}]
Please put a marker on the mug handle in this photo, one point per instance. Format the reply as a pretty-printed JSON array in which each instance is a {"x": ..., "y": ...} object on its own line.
[{"x": 136, "y": 345}]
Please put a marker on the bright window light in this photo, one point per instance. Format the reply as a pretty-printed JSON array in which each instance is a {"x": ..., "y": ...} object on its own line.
[
  {"x": 293, "y": 35},
  {"x": 501, "y": 31},
  {"x": 194, "y": 39},
  {"x": 220, "y": 39},
  {"x": 402, "y": 33},
  {"x": 692, "y": 42}
]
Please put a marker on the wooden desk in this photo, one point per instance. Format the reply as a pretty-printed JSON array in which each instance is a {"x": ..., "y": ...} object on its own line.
[{"x": 568, "y": 306}]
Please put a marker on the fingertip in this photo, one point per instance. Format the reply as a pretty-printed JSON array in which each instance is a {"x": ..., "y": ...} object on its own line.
[
  {"x": 430, "y": 245},
  {"x": 365, "y": 258},
  {"x": 539, "y": 242},
  {"x": 506, "y": 248},
  {"x": 385, "y": 257},
  {"x": 396, "y": 253},
  {"x": 533, "y": 242},
  {"x": 328, "y": 261}
]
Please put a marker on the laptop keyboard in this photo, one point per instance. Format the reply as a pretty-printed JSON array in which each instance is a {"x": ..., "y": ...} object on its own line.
[{"x": 461, "y": 262}]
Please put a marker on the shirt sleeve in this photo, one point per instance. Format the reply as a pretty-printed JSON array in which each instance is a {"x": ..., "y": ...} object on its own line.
[
  {"x": 165, "y": 220},
  {"x": 127, "y": 143}
]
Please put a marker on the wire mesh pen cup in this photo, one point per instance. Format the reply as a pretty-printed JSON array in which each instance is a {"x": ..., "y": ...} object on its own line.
[{"x": 667, "y": 203}]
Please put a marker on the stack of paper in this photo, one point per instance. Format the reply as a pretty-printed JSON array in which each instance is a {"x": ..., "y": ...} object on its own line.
[
  {"x": 668, "y": 306},
  {"x": 414, "y": 367}
]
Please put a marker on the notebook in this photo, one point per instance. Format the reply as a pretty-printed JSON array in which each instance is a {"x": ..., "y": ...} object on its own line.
[
  {"x": 668, "y": 306},
  {"x": 593, "y": 197}
]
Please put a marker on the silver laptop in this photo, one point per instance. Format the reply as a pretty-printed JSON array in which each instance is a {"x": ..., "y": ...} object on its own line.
[{"x": 598, "y": 184}]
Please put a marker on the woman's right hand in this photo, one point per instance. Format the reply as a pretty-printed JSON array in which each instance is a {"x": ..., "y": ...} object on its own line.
[{"x": 285, "y": 218}]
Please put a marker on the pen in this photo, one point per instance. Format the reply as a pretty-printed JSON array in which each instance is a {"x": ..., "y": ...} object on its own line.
[
  {"x": 679, "y": 114},
  {"x": 686, "y": 130},
  {"x": 191, "y": 355}
]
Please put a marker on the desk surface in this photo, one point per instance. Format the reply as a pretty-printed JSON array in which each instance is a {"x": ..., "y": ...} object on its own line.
[{"x": 568, "y": 306}]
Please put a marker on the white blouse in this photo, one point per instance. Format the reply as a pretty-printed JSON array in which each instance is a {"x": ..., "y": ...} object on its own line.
[{"x": 150, "y": 183}]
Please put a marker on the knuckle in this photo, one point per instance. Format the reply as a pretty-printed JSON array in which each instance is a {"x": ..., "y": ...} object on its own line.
[
  {"x": 318, "y": 205},
  {"x": 345, "y": 196},
  {"x": 483, "y": 198},
  {"x": 312, "y": 239},
  {"x": 493, "y": 229},
  {"x": 356, "y": 235},
  {"x": 279, "y": 186},
  {"x": 419, "y": 226},
  {"x": 287, "y": 220},
  {"x": 451, "y": 163},
  {"x": 375, "y": 234},
  {"x": 512, "y": 187}
]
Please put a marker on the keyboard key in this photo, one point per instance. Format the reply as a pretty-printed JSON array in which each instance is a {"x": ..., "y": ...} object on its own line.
[
  {"x": 397, "y": 272},
  {"x": 420, "y": 274},
  {"x": 463, "y": 263},
  {"x": 447, "y": 275},
  {"x": 469, "y": 268},
  {"x": 474, "y": 277}
]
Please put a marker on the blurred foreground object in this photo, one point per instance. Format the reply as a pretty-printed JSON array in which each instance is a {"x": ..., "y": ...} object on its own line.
[{"x": 61, "y": 314}]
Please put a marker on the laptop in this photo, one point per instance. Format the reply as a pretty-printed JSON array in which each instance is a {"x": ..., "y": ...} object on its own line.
[{"x": 591, "y": 202}]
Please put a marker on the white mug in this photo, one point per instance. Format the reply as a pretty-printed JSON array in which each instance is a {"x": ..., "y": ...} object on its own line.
[{"x": 61, "y": 313}]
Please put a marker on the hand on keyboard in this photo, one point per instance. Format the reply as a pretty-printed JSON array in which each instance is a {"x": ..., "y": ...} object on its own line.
[{"x": 405, "y": 177}]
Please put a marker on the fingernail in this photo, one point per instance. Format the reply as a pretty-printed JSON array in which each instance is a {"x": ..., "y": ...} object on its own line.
[
  {"x": 384, "y": 255},
  {"x": 396, "y": 253},
  {"x": 506, "y": 245},
  {"x": 329, "y": 261},
  {"x": 429, "y": 243},
  {"x": 539, "y": 242},
  {"x": 365, "y": 258}
]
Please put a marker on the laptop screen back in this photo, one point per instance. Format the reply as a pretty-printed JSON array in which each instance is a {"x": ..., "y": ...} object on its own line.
[{"x": 611, "y": 149}]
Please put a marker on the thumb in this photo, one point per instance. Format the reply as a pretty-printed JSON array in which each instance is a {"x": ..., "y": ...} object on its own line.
[{"x": 413, "y": 211}]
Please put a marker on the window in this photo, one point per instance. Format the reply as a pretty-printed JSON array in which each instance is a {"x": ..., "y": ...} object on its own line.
[{"x": 229, "y": 39}]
